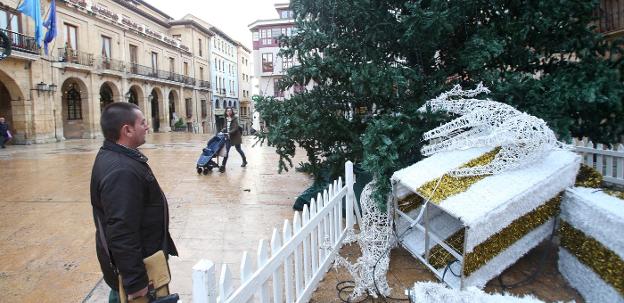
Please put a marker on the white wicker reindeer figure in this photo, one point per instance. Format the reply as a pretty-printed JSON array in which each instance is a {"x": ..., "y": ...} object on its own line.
[
  {"x": 523, "y": 138},
  {"x": 375, "y": 240}
]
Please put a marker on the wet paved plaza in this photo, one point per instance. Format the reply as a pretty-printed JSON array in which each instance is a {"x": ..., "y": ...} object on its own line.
[
  {"x": 47, "y": 243},
  {"x": 47, "y": 249}
]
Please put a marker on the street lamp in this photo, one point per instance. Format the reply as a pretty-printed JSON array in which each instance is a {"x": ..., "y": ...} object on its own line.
[
  {"x": 52, "y": 88},
  {"x": 42, "y": 87}
]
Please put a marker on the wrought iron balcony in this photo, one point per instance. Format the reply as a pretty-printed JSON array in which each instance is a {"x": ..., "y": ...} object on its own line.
[
  {"x": 142, "y": 70},
  {"x": 204, "y": 84},
  {"x": 75, "y": 56},
  {"x": 21, "y": 42},
  {"x": 109, "y": 64},
  {"x": 147, "y": 71},
  {"x": 188, "y": 80}
]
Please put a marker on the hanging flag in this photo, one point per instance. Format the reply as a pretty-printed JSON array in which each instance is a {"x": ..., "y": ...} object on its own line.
[
  {"x": 50, "y": 24},
  {"x": 32, "y": 8}
]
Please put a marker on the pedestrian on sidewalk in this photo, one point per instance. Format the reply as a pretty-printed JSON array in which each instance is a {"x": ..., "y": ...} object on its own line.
[
  {"x": 234, "y": 131},
  {"x": 5, "y": 133},
  {"x": 129, "y": 208}
]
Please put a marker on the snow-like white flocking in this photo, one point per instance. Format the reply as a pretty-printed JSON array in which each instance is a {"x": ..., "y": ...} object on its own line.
[{"x": 523, "y": 138}]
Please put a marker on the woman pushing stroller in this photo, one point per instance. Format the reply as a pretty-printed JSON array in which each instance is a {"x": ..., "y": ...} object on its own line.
[{"x": 235, "y": 133}]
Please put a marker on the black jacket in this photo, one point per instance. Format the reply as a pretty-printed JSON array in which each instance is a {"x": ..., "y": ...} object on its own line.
[
  {"x": 133, "y": 211},
  {"x": 4, "y": 127}
]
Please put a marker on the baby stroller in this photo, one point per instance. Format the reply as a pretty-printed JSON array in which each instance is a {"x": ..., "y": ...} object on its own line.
[{"x": 214, "y": 149}]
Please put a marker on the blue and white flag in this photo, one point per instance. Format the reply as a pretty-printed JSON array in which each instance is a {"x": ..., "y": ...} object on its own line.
[
  {"x": 32, "y": 8},
  {"x": 50, "y": 24}
]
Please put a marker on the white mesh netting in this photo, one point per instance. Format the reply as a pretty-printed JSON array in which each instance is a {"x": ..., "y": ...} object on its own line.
[
  {"x": 375, "y": 240},
  {"x": 523, "y": 138}
]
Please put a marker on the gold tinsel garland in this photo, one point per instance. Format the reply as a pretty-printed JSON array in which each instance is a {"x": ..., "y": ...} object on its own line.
[
  {"x": 450, "y": 186},
  {"x": 497, "y": 243},
  {"x": 509, "y": 235},
  {"x": 604, "y": 262},
  {"x": 439, "y": 257},
  {"x": 615, "y": 193},
  {"x": 410, "y": 202},
  {"x": 588, "y": 177}
]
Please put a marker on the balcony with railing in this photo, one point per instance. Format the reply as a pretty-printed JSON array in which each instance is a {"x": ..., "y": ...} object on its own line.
[
  {"x": 21, "y": 42},
  {"x": 69, "y": 55},
  {"x": 151, "y": 72},
  {"x": 610, "y": 16},
  {"x": 109, "y": 64},
  {"x": 203, "y": 84},
  {"x": 188, "y": 80}
]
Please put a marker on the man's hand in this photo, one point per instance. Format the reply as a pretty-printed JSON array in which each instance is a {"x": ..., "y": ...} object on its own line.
[{"x": 138, "y": 294}]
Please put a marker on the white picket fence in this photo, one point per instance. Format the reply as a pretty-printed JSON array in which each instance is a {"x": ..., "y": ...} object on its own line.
[
  {"x": 300, "y": 255},
  {"x": 609, "y": 161}
]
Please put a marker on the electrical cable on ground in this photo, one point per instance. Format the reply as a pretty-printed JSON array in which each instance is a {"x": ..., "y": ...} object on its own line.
[{"x": 531, "y": 278}]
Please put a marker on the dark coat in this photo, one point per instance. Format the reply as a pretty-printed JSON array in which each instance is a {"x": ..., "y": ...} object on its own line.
[
  {"x": 133, "y": 211},
  {"x": 234, "y": 131},
  {"x": 4, "y": 128}
]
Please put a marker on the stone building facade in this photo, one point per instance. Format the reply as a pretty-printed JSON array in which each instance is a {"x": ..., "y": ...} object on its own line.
[{"x": 105, "y": 51}]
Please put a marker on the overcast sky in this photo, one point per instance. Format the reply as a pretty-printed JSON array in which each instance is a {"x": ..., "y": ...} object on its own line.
[{"x": 231, "y": 16}]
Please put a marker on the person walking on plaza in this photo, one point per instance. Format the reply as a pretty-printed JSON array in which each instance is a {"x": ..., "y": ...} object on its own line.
[
  {"x": 129, "y": 208},
  {"x": 5, "y": 133},
  {"x": 234, "y": 132}
]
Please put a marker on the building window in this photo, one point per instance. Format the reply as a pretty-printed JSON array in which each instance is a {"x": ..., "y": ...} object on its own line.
[
  {"x": 171, "y": 65},
  {"x": 287, "y": 62},
  {"x": 267, "y": 62},
  {"x": 204, "y": 108},
  {"x": 224, "y": 104},
  {"x": 265, "y": 35},
  {"x": 74, "y": 103},
  {"x": 13, "y": 18},
  {"x": 106, "y": 47},
  {"x": 201, "y": 53},
  {"x": 154, "y": 61},
  {"x": 276, "y": 90},
  {"x": 186, "y": 70},
  {"x": 284, "y": 15},
  {"x": 189, "y": 107},
  {"x": 71, "y": 36},
  {"x": 133, "y": 58},
  {"x": 133, "y": 53},
  {"x": 256, "y": 36},
  {"x": 201, "y": 73},
  {"x": 179, "y": 37}
]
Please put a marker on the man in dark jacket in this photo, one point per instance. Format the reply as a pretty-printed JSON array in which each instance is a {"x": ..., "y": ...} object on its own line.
[{"x": 129, "y": 208}]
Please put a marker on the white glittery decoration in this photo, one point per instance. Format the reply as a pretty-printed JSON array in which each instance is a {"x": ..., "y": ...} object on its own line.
[
  {"x": 523, "y": 138},
  {"x": 375, "y": 240}
]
